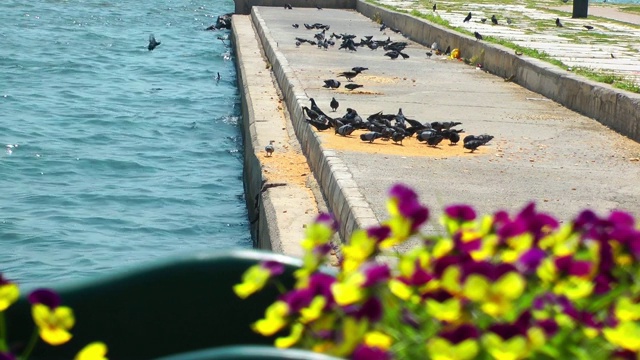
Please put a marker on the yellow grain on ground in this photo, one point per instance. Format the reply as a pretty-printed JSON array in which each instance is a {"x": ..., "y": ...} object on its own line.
[
  {"x": 286, "y": 166},
  {"x": 359, "y": 91},
  {"x": 409, "y": 147}
]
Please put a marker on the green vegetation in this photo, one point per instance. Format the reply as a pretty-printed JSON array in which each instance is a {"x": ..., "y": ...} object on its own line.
[
  {"x": 631, "y": 9},
  {"x": 606, "y": 77}
]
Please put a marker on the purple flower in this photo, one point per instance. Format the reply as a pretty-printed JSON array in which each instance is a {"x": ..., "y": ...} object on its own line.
[
  {"x": 420, "y": 276},
  {"x": 531, "y": 259},
  {"x": 567, "y": 265},
  {"x": 320, "y": 284},
  {"x": 6, "y": 355},
  {"x": 46, "y": 297},
  {"x": 379, "y": 232},
  {"x": 275, "y": 267},
  {"x": 488, "y": 270},
  {"x": 549, "y": 326},
  {"x": 460, "y": 212},
  {"x": 371, "y": 309},
  {"x": 466, "y": 246},
  {"x": 364, "y": 352},
  {"x": 621, "y": 218},
  {"x": 409, "y": 206},
  {"x": 375, "y": 274},
  {"x": 328, "y": 220},
  {"x": 298, "y": 299},
  {"x": 460, "y": 334},
  {"x": 3, "y": 280}
]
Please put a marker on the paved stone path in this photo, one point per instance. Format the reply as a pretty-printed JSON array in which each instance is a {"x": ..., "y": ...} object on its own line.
[
  {"x": 542, "y": 151},
  {"x": 615, "y": 32}
]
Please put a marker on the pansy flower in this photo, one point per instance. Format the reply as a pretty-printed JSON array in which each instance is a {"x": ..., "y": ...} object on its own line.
[
  {"x": 406, "y": 215},
  {"x": 53, "y": 321},
  {"x": 93, "y": 351},
  {"x": 256, "y": 277},
  {"x": 460, "y": 343},
  {"x": 9, "y": 293}
]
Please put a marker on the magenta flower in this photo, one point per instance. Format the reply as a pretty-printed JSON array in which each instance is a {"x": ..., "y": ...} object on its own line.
[
  {"x": 376, "y": 274},
  {"x": 371, "y": 309},
  {"x": 328, "y": 220},
  {"x": 6, "y": 355},
  {"x": 409, "y": 206},
  {"x": 460, "y": 334},
  {"x": 460, "y": 212},
  {"x": 379, "y": 233},
  {"x": 569, "y": 266},
  {"x": 46, "y": 297},
  {"x": 364, "y": 352},
  {"x": 531, "y": 259}
]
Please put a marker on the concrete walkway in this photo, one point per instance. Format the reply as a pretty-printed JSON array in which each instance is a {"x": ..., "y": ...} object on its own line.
[
  {"x": 613, "y": 45},
  {"x": 541, "y": 151}
]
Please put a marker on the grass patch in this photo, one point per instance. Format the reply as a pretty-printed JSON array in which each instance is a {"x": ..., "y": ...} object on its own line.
[
  {"x": 631, "y": 9},
  {"x": 608, "y": 77}
]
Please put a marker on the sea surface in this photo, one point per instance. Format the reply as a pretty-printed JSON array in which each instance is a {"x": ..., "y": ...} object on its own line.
[{"x": 112, "y": 155}]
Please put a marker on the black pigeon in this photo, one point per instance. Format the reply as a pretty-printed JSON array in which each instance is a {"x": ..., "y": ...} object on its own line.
[
  {"x": 315, "y": 107},
  {"x": 434, "y": 7},
  {"x": 318, "y": 7},
  {"x": 353, "y": 86},
  {"x": 319, "y": 125},
  {"x": 349, "y": 74},
  {"x": 429, "y": 54},
  {"x": 467, "y": 18},
  {"x": 397, "y": 137},
  {"x": 509, "y": 21},
  {"x": 477, "y": 35},
  {"x": 494, "y": 20},
  {"x": 558, "y": 23},
  {"x": 297, "y": 43},
  {"x": 435, "y": 140},
  {"x": 288, "y": 6},
  {"x": 331, "y": 83},
  {"x": 448, "y": 50},
  {"x": 588, "y": 27},
  {"x": 345, "y": 130},
  {"x": 613, "y": 57},
  {"x": 295, "y": 26},
  {"x": 334, "y": 104},
  {"x": 311, "y": 113},
  {"x": 425, "y": 135},
  {"x": 309, "y": 27},
  {"x": 473, "y": 145},
  {"x": 152, "y": 42},
  {"x": 359, "y": 69},
  {"x": 393, "y": 54},
  {"x": 484, "y": 138},
  {"x": 370, "y": 136}
]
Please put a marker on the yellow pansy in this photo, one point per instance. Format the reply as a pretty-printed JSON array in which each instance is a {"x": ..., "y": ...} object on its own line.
[
  {"x": 359, "y": 249},
  {"x": 626, "y": 335},
  {"x": 378, "y": 340},
  {"x": 442, "y": 349},
  {"x": 94, "y": 351},
  {"x": 626, "y": 310},
  {"x": 449, "y": 310},
  {"x": 9, "y": 293},
  {"x": 292, "y": 339},
  {"x": 314, "y": 310},
  {"x": 512, "y": 349},
  {"x": 253, "y": 280},
  {"x": 274, "y": 320},
  {"x": 349, "y": 291},
  {"x": 496, "y": 297},
  {"x": 53, "y": 324}
]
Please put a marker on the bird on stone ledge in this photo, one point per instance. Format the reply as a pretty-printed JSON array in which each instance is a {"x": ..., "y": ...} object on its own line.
[{"x": 269, "y": 148}]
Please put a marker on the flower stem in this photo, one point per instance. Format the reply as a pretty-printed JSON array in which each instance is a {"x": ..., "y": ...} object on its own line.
[
  {"x": 3, "y": 333},
  {"x": 31, "y": 345},
  {"x": 280, "y": 287}
]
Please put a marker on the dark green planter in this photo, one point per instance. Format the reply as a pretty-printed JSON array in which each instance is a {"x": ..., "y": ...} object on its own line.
[{"x": 179, "y": 305}]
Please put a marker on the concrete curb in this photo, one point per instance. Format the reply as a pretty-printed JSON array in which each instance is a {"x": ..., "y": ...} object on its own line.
[
  {"x": 344, "y": 198},
  {"x": 615, "y": 108},
  {"x": 278, "y": 209},
  {"x": 244, "y": 6}
]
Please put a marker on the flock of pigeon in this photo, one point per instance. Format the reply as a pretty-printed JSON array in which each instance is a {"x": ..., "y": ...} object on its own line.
[
  {"x": 394, "y": 127},
  {"x": 388, "y": 127}
]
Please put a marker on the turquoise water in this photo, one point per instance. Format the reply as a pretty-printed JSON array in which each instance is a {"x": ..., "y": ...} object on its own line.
[{"x": 123, "y": 155}]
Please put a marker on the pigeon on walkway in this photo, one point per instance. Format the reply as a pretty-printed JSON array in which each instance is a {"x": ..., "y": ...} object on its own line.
[
  {"x": 477, "y": 35},
  {"x": 349, "y": 74},
  {"x": 494, "y": 20},
  {"x": 331, "y": 83},
  {"x": 295, "y": 26},
  {"x": 269, "y": 148},
  {"x": 429, "y": 54},
  {"x": 288, "y": 6},
  {"x": 434, "y": 7},
  {"x": 334, "y": 104},
  {"x": 588, "y": 27},
  {"x": 558, "y": 23},
  {"x": 359, "y": 69},
  {"x": 370, "y": 136},
  {"x": 316, "y": 108},
  {"x": 483, "y": 20},
  {"x": 466, "y": 19},
  {"x": 152, "y": 42},
  {"x": 353, "y": 86},
  {"x": 345, "y": 130}
]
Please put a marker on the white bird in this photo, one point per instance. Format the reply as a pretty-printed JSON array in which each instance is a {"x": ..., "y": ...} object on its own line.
[{"x": 269, "y": 148}]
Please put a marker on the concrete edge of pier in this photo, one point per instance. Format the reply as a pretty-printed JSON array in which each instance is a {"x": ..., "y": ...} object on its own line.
[
  {"x": 279, "y": 205},
  {"x": 342, "y": 194}
]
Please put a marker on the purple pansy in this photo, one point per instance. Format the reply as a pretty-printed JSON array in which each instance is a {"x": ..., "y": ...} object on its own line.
[
  {"x": 460, "y": 212},
  {"x": 7, "y": 356},
  {"x": 375, "y": 274},
  {"x": 568, "y": 265},
  {"x": 460, "y": 334},
  {"x": 409, "y": 206},
  {"x": 328, "y": 220},
  {"x": 3, "y": 280},
  {"x": 490, "y": 271},
  {"x": 46, "y": 297},
  {"x": 531, "y": 259},
  {"x": 549, "y": 326},
  {"x": 298, "y": 299},
  {"x": 364, "y": 352},
  {"x": 379, "y": 233},
  {"x": 275, "y": 267},
  {"x": 371, "y": 309}
]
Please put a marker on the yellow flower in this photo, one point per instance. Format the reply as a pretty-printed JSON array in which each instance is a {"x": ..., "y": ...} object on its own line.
[
  {"x": 359, "y": 249},
  {"x": 450, "y": 310},
  {"x": 574, "y": 287},
  {"x": 292, "y": 339},
  {"x": 512, "y": 349},
  {"x": 53, "y": 324},
  {"x": 314, "y": 310},
  {"x": 253, "y": 280},
  {"x": 442, "y": 349},
  {"x": 626, "y": 335},
  {"x": 94, "y": 351},
  {"x": 378, "y": 340},
  {"x": 349, "y": 291},
  {"x": 400, "y": 289},
  {"x": 626, "y": 310},
  {"x": 495, "y": 297},
  {"x": 274, "y": 320},
  {"x": 9, "y": 293}
]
